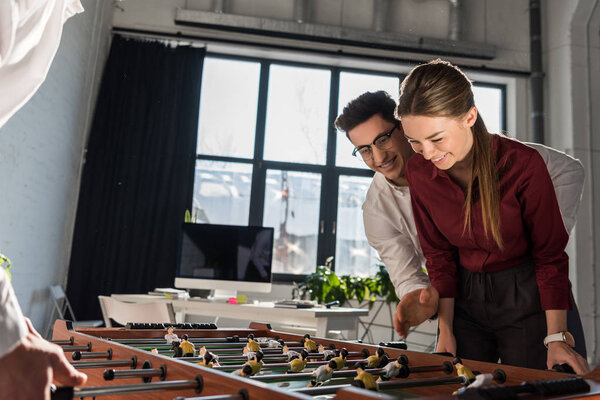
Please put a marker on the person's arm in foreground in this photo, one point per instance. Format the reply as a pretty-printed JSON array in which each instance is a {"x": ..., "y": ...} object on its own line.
[
  {"x": 29, "y": 363},
  {"x": 30, "y": 368}
]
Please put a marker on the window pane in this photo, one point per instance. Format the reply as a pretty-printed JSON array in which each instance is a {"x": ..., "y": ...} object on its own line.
[
  {"x": 297, "y": 112},
  {"x": 489, "y": 103},
  {"x": 353, "y": 255},
  {"x": 292, "y": 208},
  {"x": 222, "y": 192},
  {"x": 353, "y": 85},
  {"x": 228, "y": 108}
]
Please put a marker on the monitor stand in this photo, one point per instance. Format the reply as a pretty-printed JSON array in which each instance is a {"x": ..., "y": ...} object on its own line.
[{"x": 220, "y": 294}]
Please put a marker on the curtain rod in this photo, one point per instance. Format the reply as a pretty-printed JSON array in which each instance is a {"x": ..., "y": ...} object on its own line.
[{"x": 197, "y": 39}]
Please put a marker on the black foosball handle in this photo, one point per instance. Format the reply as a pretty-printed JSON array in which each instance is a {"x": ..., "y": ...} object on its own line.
[
  {"x": 443, "y": 353},
  {"x": 61, "y": 392},
  {"x": 399, "y": 344},
  {"x": 563, "y": 368}
]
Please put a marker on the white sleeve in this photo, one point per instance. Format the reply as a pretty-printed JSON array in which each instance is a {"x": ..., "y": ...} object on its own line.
[
  {"x": 567, "y": 176},
  {"x": 30, "y": 33},
  {"x": 397, "y": 252},
  {"x": 12, "y": 324}
]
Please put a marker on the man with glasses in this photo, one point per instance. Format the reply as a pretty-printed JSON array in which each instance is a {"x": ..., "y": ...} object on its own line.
[{"x": 370, "y": 125}]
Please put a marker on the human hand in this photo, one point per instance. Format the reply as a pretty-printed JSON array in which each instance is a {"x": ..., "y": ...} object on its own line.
[
  {"x": 561, "y": 353},
  {"x": 415, "y": 308},
  {"x": 30, "y": 368},
  {"x": 446, "y": 343}
]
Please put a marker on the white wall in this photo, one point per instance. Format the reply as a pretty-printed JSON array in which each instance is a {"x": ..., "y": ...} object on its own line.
[{"x": 40, "y": 156}]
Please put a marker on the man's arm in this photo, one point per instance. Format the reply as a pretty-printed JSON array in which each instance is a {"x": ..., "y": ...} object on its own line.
[
  {"x": 398, "y": 253},
  {"x": 567, "y": 176},
  {"x": 404, "y": 262},
  {"x": 12, "y": 324}
]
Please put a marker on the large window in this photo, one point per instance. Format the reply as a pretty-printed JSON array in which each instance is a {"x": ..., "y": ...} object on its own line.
[{"x": 268, "y": 154}]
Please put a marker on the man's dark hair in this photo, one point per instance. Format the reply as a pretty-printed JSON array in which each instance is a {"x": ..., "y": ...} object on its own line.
[{"x": 363, "y": 108}]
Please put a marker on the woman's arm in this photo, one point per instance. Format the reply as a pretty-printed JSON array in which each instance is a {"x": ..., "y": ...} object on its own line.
[
  {"x": 560, "y": 352},
  {"x": 446, "y": 341}
]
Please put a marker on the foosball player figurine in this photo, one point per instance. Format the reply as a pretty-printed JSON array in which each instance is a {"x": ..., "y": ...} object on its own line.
[
  {"x": 340, "y": 360},
  {"x": 188, "y": 348},
  {"x": 208, "y": 360},
  {"x": 309, "y": 344},
  {"x": 392, "y": 369},
  {"x": 256, "y": 362},
  {"x": 170, "y": 336},
  {"x": 244, "y": 372},
  {"x": 322, "y": 374},
  {"x": 363, "y": 378},
  {"x": 375, "y": 360},
  {"x": 154, "y": 351},
  {"x": 329, "y": 353},
  {"x": 462, "y": 370},
  {"x": 298, "y": 363},
  {"x": 177, "y": 350},
  {"x": 252, "y": 346},
  {"x": 289, "y": 353}
]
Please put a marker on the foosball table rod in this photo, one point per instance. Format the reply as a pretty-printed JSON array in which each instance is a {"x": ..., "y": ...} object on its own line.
[
  {"x": 132, "y": 362},
  {"x": 146, "y": 373},
  {"x": 241, "y": 395},
  {"x": 65, "y": 392},
  {"x": 395, "y": 384}
]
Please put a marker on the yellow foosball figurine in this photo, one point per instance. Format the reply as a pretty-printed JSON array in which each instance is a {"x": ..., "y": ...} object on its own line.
[
  {"x": 251, "y": 346},
  {"x": 256, "y": 363},
  {"x": 340, "y": 360},
  {"x": 363, "y": 378},
  {"x": 309, "y": 344},
  {"x": 298, "y": 363},
  {"x": 188, "y": 348},
  {"x": 375, "y": 360},
  {"x": 463, "y": 370}
]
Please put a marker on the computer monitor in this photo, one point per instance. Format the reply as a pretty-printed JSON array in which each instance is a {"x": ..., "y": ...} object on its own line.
[{"x": 225, "y": 257}]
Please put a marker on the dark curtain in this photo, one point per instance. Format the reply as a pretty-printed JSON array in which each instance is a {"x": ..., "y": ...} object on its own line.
[{"x": 138, "y": 176}]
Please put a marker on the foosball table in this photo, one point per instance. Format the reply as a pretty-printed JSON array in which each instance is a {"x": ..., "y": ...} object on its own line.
[{"x": 260, "y": 363}]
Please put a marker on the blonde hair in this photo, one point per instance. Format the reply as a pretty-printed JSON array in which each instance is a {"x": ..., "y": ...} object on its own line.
[{"x": 440, "y": 89}]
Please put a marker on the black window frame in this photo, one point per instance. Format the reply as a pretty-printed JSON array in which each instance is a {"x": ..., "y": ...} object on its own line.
[{"x": 330, "y": 173}]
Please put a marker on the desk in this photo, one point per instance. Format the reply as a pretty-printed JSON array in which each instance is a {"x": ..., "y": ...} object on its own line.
[{"x": 323, "y": 319}]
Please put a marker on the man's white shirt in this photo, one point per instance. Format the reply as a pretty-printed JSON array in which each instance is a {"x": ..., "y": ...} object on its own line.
[{"x": 30, "y": 32}]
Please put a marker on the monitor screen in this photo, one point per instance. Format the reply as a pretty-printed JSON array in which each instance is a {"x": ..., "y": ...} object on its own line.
[{"x": 225, "y": 257}]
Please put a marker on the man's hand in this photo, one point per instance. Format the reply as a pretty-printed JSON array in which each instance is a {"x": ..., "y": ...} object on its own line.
[
  {"x": 561, "y": 353},
  {"x": 32, "y": 366},
  {"x": 415, "y": 308}
]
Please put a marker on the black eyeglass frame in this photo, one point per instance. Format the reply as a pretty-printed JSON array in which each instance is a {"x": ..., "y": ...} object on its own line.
[{"x": 387, "y": 134}]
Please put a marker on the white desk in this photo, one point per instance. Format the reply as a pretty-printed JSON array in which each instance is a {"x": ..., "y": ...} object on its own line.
[{"x": 323, "y": 319}]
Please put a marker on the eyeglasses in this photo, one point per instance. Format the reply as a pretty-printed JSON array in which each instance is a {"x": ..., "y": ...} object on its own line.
[{"x": 382, "y": 142}]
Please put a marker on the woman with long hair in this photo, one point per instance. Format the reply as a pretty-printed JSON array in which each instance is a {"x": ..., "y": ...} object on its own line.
[{"x": 489, "y": 226}]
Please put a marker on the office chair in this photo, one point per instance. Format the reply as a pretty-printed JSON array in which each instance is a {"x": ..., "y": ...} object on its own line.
[
  {"x": 65, "y": 311},
  {"x": 119, "y": 312}
]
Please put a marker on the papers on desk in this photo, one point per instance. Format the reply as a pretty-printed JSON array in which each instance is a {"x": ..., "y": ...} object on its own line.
[
  {"x": 170, "y": 293},
  {"x": 295, "y": 304}
]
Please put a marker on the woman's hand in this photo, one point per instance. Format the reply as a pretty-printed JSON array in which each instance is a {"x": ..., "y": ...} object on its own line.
[
  {"x": 562, "y": 353},
  {"x": 446, "y": 343}
]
